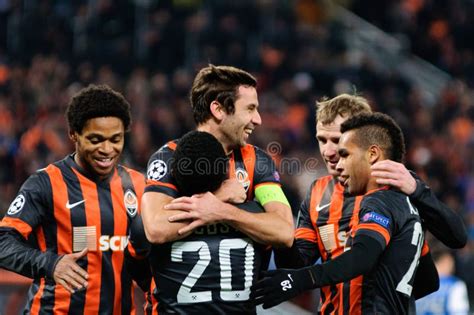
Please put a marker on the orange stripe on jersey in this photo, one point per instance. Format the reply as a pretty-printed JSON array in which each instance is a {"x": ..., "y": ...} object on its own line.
[
  {"x": 426, "y": 249},
  {"x": 377, "y": 228},
  {"x": 248, "y": 155},
  {"x": 150, "y": 182},
  {"x": 41, "y": 239},
  {"x": 36, "y": 304},
  {"x": 94, "y": 258},
  {"x": 306, "y": 234},
  {"x": 232, "y": 166},
  {"x": 120, "y": 228},
  {"x": 316, "y": 196},
  {"x": 355, "y": 214},
  {"x": 21, "y": 226},
  {"x": 355, "y": 296},
  {"x": 63, "y": 233},
  {"x": 172, "y": 145}
]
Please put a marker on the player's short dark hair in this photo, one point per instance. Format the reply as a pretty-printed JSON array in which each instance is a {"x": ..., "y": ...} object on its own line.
[
  {"x": 97, "y": 101},
  {"x": 379, "y": 129},
  {"x": 199, "y": 163},
  {"x": 217, "y": 83}
]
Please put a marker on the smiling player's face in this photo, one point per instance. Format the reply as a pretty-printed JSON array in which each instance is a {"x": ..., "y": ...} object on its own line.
[
  {"x": 99, "y": 145},
  {"x": 353, "y": 165},
  {"x": 236, "y": 128}
]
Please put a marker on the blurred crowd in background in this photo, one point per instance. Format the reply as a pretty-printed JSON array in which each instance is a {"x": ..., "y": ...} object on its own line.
[{"x": 151, "y": 50}]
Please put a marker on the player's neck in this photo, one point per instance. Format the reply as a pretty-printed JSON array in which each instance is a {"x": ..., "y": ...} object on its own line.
[{"x": 213, "y": 129}]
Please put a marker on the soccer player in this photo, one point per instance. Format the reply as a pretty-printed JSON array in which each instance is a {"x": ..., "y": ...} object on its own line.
[
  {"x": 328, "y": 216},
  {"x": 224, "y": 102},
  {"x": 68, "y": 226},
  {"x": 209, "y": 271},
  {"x": 388, "y": 238}
]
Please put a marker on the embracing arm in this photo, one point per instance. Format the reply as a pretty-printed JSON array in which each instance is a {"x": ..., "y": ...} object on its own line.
[
  {"x": 283, "y": 284},
  {"x": 444, "y": 223},
  {"x": 273, "y": 227},
  {"x": 158, "y": 229}
]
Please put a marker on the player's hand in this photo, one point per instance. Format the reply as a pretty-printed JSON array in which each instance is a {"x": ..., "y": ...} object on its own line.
[
  {"x": 202, "y": 209},
  {"x": 231, "y": 191},
  {"x": 395, "y": 174},
  {"x": 281, "y": 285},
  {"x": 69, "y": 274}
]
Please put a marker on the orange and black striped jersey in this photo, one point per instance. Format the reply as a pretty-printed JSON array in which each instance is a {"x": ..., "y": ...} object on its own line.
[
  {"x": 62, "y": 209},
  {"x": 250, "y": 165},
  {"x": 325, "y": 222},
  {"x": 212, "y": 269},
  {"x": 328, "y": 221}
]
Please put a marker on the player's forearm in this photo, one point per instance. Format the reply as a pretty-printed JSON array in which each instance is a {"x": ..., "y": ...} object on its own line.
[
  {"x": 18, "y": 257},
  {"x": 158, "y": 229},
  {"x": 444, "y": 223},
  {"x": 355, "y": 262},
  {"x": 268, "y": 228}
]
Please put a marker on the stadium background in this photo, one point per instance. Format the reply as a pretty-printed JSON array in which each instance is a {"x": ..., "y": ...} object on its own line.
[{"x": 413, "y": 59}]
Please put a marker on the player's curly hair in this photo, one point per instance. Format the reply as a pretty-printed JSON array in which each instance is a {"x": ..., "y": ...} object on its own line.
[
  {"x": 97, "y": 101},
  {"x": 378, "y": 129},
  {"x": 217, "y": 83},
  {"x": 199, "y": 163}
]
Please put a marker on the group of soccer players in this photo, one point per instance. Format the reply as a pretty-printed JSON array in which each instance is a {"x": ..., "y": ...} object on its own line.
[{"x": 201, "y": 230}]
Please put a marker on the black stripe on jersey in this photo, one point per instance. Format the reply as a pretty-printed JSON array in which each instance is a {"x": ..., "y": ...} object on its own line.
[
  {"x": 78, "y": 218},
  {"x": 50, "y": 235},
  {"x": 330, "y": 307},
  {"x": 127, "y": 183},
  {"x": 239, "y": 161},
  {"x": 346, "y": 297},
  {"x": 107, "y": 284}
]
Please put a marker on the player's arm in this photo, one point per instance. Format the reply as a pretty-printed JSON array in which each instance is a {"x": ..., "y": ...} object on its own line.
[
  {"x": 22, "y": 217},
  {"x": 273, "y": 227},
  {"x": 136, "y": 255},
  {"x": 18, "y": 256},
  {"x": 426, "y": 276},
  {"x": 444, "y": 223},
  {"x": 304, "y": 250},
  {"x": 283, "y": 284},
  {"x": 372, "y": 236},
  {"x": 159, "y": 191}
]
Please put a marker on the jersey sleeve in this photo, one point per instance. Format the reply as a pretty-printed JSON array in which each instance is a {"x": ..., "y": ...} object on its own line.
[
  {"x": 267, "y": 186},
  {"x": 304, "y": 251},
  {"x": 443, "y": 222},
  {"x": 27, "y": 210},
  {"x": 25, "y": 213},
  {"x": 375, "y": 221},
  {"x": 158, "y": 175},
  {"x": 265, "y": 169}
]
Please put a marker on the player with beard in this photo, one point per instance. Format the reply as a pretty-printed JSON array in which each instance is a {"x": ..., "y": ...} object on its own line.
[
  {"x": 387, "y": 237},
  {"x": 327, "y": 215}
]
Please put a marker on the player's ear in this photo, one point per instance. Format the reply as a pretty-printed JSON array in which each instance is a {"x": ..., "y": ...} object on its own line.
[
  {"x": 217, "y": 110},
  {"x": 72, "y": 136},
  {"x": 375, "y": 154}
]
